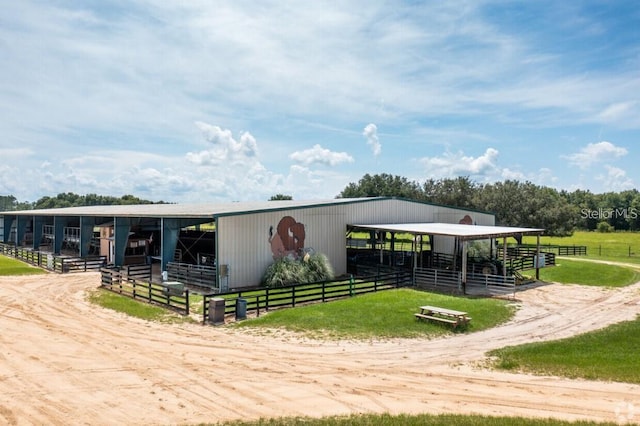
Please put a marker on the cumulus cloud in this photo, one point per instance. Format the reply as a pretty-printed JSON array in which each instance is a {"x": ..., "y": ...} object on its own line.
[
  {"x": 320, "y": 155},
  {"x": 596, "y": 153},
  {"x": 371, "y": 133},
  {"x": 456, "y": 164},
  {"x": 225, "y": 146},
  {"x": 616, "y": 179},
  {"x": 543, "y": 176}
]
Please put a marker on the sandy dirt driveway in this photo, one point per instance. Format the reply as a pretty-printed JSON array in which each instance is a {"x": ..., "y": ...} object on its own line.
[{"x": 64, "y": 361}]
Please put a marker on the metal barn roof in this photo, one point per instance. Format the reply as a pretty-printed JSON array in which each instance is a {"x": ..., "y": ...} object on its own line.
[
  {"x": 463, "y": 232},
  {"x": 204, "y": 210}
]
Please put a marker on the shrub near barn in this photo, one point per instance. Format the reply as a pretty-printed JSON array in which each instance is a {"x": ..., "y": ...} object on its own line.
[{"x": 309, "y": 268}]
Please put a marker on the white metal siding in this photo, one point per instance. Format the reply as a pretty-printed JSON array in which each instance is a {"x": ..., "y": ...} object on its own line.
[{"x": 243, "y": 240}]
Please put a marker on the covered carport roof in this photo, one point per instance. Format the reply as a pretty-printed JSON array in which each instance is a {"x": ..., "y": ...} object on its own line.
[{"x": 462, "y": 232}]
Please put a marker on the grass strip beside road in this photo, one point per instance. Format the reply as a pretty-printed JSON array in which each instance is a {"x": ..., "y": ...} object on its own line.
[
  {"x": 9, "y": 266},
  {"x": 414, "y": 420},
  {"x": 588, "y": 273},
  {"x": 607, "y": 354}
]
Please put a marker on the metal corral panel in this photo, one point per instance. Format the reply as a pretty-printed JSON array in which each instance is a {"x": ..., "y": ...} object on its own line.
[
  {"x": 246, "y": 243},
  {"x": 1, "y": 229}
]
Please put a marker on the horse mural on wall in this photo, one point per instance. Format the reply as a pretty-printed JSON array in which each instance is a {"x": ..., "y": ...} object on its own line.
[
  {"x": 288, "y": 240},
  {"x": 466, "y": 220}
]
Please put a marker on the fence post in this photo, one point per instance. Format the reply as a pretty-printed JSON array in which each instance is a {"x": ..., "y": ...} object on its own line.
[
  {"x": 205, "y": 306},
  {"x": 257, "y": 306},
  {"x": 293, "y": 296},
  {"x": 266, "y": 303},
  {"x": 351, "y": 285},
  {"x": 187, "y": 300}
]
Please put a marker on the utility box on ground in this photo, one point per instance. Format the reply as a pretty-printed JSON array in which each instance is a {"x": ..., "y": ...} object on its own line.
[{"x": 216, "y": 310}]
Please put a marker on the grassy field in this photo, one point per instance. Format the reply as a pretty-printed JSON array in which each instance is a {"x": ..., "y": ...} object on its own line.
[
  {"x": 587, "y": 273},
  {"x": 384, "y": 314},
  {"x": 9, "y": 266},
  {"x": 619, "y": 246},
  {"x": 412, "y": 420},
  {"x": 589, "y": 356}
]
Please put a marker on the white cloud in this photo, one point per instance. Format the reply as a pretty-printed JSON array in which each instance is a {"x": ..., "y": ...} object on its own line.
[
  {"x": 320, "y": 155},
  {"x": 619, "y": 111},
  {"x": 457, "y": 164},
  {"x": 616, "y": 179},
  {"x": 544, "y": 176},
  {"x": 371, "y": 133},
  {"x": 595, "y": 153},
  {"x": 225, "y": 147}
]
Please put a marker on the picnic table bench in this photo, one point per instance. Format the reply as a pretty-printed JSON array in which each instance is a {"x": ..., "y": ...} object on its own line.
[{"x": 448, "y": 316}]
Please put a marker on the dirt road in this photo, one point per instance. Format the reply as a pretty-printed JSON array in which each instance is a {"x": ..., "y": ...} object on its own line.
[{"x": 64, "y": 361}]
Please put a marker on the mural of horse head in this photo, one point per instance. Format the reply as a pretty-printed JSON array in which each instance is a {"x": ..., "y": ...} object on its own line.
[
  {"x": 466, "y": 220},
  {"x": 288, "y": 239}
]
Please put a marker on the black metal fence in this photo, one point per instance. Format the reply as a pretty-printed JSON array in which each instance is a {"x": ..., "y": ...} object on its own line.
[{"x": 265, "y": 299}]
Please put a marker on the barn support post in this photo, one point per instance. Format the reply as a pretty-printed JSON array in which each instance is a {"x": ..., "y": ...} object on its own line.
[
  {"x": 59, "y": 223},
  {"x": 6, "y": 227},
  {"x": 21, "y": 229},
  {"x": 121, "y": 229},
  {"x": 392, "y": 260},
  {"x": 537, "y": 257},
  {"x": 464, "y": 267},
  {"x": 86, "y": 234},
  {"x": 504, "y": 257},
  {"x": 169, "y": 236},
  {"x": 38, "y": 222}
]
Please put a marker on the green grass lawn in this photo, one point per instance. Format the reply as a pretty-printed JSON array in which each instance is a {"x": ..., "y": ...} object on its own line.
[
  {"x": 610, "y": 246},
  {"x": 384, "y": 314},
  {"x": 9, "y": 266},
  {"x": 587, "y": 273},
  {"x": 607, "y": 354}
]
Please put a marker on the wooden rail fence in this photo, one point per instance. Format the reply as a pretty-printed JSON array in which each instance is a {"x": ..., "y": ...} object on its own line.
[
  {"x": 133, "y": 282},
  {"x": 264, "y": 299},
  {"x": 53, "y": 262}
]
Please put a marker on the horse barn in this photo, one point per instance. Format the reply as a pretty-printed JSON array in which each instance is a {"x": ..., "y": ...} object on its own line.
[{"x": 232, "y": 244}]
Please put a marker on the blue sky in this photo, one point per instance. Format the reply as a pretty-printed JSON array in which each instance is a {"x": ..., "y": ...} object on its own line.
[{"x": 196, "y": 101}]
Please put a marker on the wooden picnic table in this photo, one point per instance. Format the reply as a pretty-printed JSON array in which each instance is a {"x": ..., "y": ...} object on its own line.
[{"x": 448, "y": 316}]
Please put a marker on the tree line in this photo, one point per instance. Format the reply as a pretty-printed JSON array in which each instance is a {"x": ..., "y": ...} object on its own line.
[
  {"x": 69, "y": 199},
  {"x": 514, "y": 203}
]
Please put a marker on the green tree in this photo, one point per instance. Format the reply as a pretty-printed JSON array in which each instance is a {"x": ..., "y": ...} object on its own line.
[
  {"x": 458, "y": 192},
  {"x": 7, "y": 203},
  {"x": 383, "y": 185},
  {"x": 280, "y": 197}
]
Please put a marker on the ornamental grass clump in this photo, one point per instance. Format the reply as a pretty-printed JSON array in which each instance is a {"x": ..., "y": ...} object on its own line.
[{"x": 288, "y": 271}]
